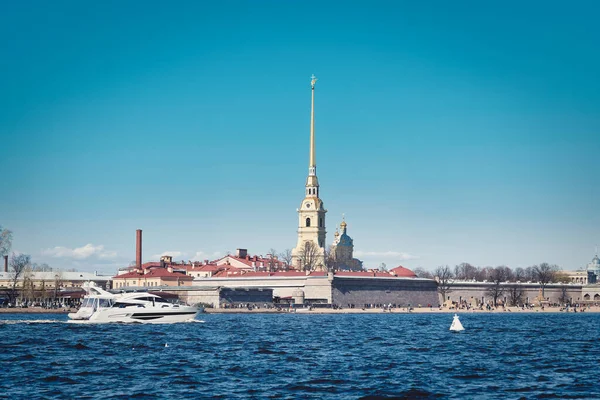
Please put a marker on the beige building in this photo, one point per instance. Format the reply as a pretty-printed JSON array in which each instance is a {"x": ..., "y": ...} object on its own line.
[
  {"x": 579, "y": 276},
  {"x": 309, "y": 253},
  {"x": 49, "y": 280},
  {"x": 243, "y": 261},
  {"x": 151, "y": 277}
]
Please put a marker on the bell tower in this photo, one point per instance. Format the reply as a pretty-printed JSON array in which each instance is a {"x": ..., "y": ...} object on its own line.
[{"x": 309, "y": 253}]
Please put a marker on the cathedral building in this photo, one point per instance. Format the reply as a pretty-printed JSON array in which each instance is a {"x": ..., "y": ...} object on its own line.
[
  {"x": 342, "y": 251},
  {"x": 309, "y": 253}
]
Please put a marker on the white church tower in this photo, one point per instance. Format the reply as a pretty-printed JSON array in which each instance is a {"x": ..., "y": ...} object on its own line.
[{"x": 309, "y": 253}]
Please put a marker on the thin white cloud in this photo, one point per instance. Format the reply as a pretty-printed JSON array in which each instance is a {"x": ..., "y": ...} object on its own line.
[
  {"x": 395, "y": 255},
  {"x": 201, "y": 255},
  {"x": 174, "y": 254},
  {"x": 80, "y": 253}
]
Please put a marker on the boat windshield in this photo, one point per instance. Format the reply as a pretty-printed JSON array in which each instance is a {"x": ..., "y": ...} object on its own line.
[
  {"x": 87, "y": 303},
  {"x": 102, "y": 303}
]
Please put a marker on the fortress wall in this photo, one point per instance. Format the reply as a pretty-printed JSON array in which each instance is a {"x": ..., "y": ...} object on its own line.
[
  {"x": 477, "y": 290},
  {"x": 402, "y": 292}
]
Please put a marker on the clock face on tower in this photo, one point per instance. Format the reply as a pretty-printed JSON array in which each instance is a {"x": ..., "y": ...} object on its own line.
[{"x": 307, "y": 205}]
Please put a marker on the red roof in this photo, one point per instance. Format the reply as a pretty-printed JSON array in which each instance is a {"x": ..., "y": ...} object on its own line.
[
  {"x": 403, "y": 272},
  {"x": 206, "y": 267},
  {"x": 233, "y": 272},
  {"x": 155, "y": 273},
  {"x": 357, "y": 273}
]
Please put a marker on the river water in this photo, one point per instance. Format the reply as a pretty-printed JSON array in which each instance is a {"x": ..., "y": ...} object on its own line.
[{"x": 501, "y": 356}]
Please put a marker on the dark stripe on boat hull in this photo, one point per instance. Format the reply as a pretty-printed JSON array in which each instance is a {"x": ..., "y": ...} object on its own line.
[{"x": 150, "y": 316}]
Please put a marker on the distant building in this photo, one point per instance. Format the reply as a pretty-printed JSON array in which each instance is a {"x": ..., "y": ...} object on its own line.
[
  {"x": 593, "y": 270},
  {"x": 152, "y": 277},
  {"x": 50, "y": 280},
  {"x": 243, "y": 261},
  {"x": 588, "y": 275},
  {"x": 64, "y": 287},
  {"x": 342, "y": 251},
  {"x": 399, "y": 287}
]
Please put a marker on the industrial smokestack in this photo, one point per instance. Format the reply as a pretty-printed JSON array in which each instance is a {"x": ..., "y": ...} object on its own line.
[
  {"x": 138, "y": 249},
  {"x": 6, "y": 263}
]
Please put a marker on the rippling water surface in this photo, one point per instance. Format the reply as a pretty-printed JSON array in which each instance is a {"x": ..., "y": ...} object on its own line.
[{"x": 500, "y": 356}]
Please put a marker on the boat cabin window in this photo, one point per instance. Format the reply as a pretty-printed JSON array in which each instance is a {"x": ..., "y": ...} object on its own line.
[
  {"x": 105, "y": 303},
  {"x": 87, "y": 303},
  {"x": 119, "y": 304},
  {"x": 160, "y": 300}
]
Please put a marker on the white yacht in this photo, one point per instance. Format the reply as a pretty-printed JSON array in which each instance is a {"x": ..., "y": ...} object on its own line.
[{"x": 101, "y": 306}]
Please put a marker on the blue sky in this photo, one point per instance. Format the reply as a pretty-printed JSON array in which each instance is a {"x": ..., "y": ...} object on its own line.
[{"x": 447, "y": 132}]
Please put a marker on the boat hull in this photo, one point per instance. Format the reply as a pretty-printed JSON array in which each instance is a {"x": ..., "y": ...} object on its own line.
[{"x": 140, "y": 315}]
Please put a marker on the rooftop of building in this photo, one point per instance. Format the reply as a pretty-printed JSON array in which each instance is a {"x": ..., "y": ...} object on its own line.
[
  {"x": 162, "y": 273},
  {"x": 62, "y": 275}
]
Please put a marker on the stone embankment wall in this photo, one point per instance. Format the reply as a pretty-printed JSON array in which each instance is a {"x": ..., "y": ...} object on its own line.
[
  {"x": 469, "y": 291},
  {"x": 402, "y": 292}
]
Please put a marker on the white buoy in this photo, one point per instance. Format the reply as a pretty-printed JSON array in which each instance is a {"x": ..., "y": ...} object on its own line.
[
  {"x": 166, "y": 344},
  {"x": 456, "y": 325}
]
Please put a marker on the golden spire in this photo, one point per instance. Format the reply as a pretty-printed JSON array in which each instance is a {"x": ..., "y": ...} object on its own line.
[{"x": 312, "y": 164}]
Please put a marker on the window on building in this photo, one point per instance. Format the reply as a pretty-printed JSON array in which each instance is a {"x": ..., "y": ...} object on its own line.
[
  {"x": 308, "y": 222},
  {"x": 320, "y": 222}
]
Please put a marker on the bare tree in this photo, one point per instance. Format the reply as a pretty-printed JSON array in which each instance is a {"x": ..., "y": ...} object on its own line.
[
  {"x": 544, "y": 274},
  {"x": 43, "y": 293},
  {"x": 515, "y": 295},
  {"x": 443, "y": 275},
  {"x": 286, "y": 257},
  {"x": 309, "y": 256},
  {"x": 497, "y": 276},
  {"x": 27, "y": 286},
  {"x": 18, "y": 265},
  {"x": 529, "y": 274},
  {"x": 564, "y": 295},
  {"x": 520, "y": 275},
  {"x": 330, "y": 259},
  {"x": 465, "y": 272},
  {"x": 561, "y": 277},
  {"x": 421, "y": 273},
  {"x": 483, "y": 273},
  {"x": 58, "y": 279},
  {"x": 272, "y": 262},
  {"x": 5, "y": 241}
]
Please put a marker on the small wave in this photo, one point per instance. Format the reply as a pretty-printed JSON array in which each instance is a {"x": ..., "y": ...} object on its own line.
[
  {"x": 409, "y": 394},
  {"x": 56, "y": 378},
  {"x": 322, "y": 381},
  {"x": 26, "y": 357},
  {"x": 419, "y": 349},
  {"x": 302, "y": 388},
  {"x": 30, "y": 321},
  {"x": 472, "y": 376},
  {"x": 262, "y": 350},
  {"x": 522, "y": 389},
  {"x": 80, "y": 346}
]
